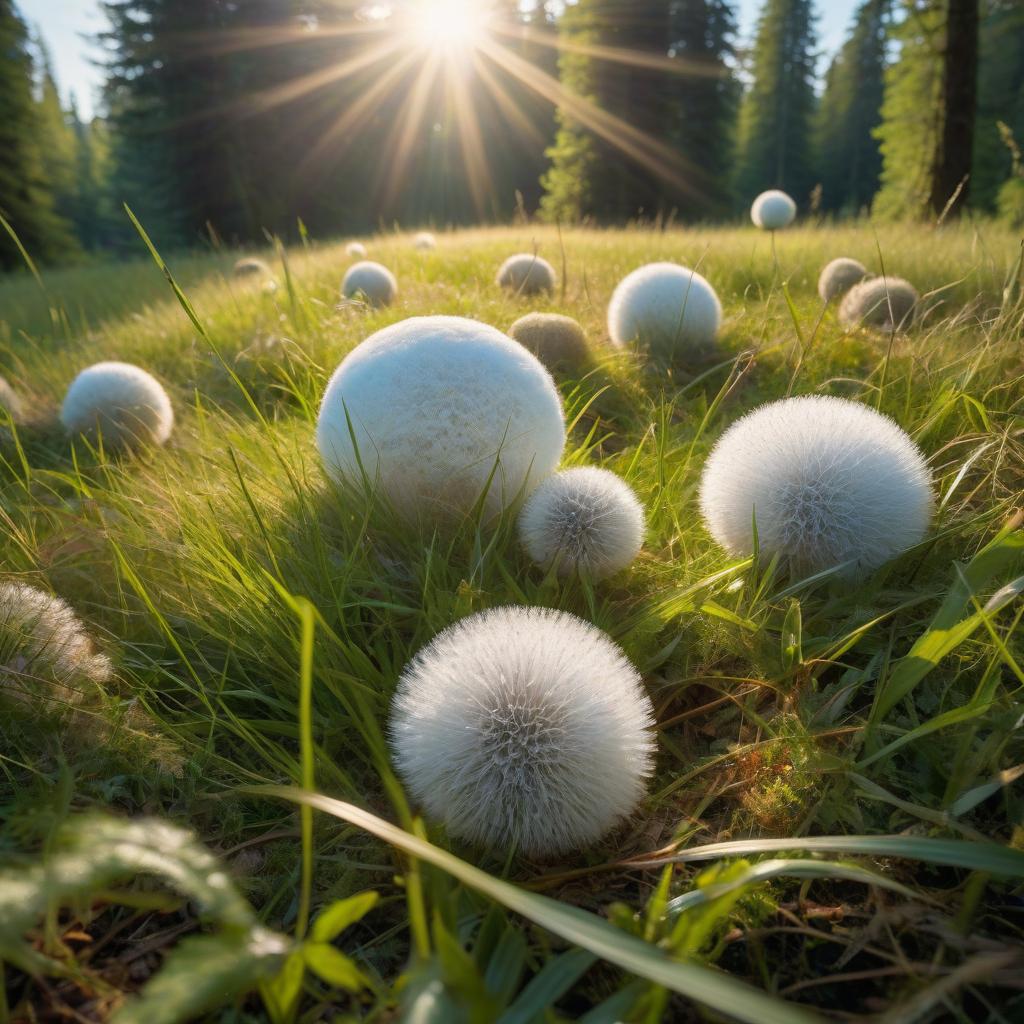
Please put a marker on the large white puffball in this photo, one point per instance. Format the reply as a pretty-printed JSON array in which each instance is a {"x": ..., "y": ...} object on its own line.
[
  {"x": 356, "y": 250},
  {"x": 121, "y": 402},
  {"x": 523, "y": 728},
  {"x": 773, "y": 210},
  {"x": 886, "y": 303},
  {"x": 424, "y": 241},
  {"x": 664, "y": 307},
  {"x": 526, "y": 274},
  {"x": 839, "y": 276},
  {"x": 370, "y": 282},
  {"x": 584, "y": 520},
  {"x": 828, "y": 481},
  {"x": 437, "y": 404}
]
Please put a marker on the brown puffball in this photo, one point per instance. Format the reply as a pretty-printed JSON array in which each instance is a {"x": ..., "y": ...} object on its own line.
[{"x": 557, "y": 341}]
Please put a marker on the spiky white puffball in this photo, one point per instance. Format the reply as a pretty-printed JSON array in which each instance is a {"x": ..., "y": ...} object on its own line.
[
  {"x": 121, "y": 402},
  {"x": 839, "y": 276},
  {"x": 773, "y": 210},
  {"x": 249, "y": 266},
  {"x": 829, "y": 481},
  {"x": 437, "y": 405},
  {"x": 370, "y": 282},
  {"x": 9, "y": 401},
  {"x": 583, "y": 520},
  {"x": 557, "y": 341},
  {"x": 526, "y": 274},
  {"x": 44, "y": 648},
  {"x": 523, "y": 727},
  {"x": 664, "y": 307},
  {"x": 356, "y": 249},
  {"x": 886, "y": 303},
  {"x": 424, "y": 241}
]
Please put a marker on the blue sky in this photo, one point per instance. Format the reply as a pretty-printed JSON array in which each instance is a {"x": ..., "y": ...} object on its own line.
[{"x": 64, "y": 22}]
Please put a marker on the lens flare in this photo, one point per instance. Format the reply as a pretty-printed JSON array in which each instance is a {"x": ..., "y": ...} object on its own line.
[{"x": 452, "y": 27}]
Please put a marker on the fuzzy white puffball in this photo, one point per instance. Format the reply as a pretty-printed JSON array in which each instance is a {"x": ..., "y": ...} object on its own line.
[
  {"x": 371, "y": 282},
  {"x": 584, "y": 520},
  {"x": 356, "y": 249},
  {"x": 829, "y": 481},
  {"x": 526, "y": 274},
  {"x": 665, "y": 307},
  {"x": 437, "y": 405},
  {"x": 839, "y": 276},
  {"x": 886, "y": 303},
  {"x": 44, "y": 645},
  {"x": 523, "y": 727},
  {"x": 557, "y": 341},
  {"x": 424, "y": 241},
  {"x": 121, "y": 402},
  {"x": 773, "y": 210},
  {"x": 249, "y": 266},
  {"x": 9, "y": 401}
]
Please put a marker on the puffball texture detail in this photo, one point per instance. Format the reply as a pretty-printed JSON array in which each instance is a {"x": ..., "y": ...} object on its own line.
[
  {"x": 773, "y": 210},
  {"x": 830, "y": 481},
  {"x": 839, "y": 276},
  {"x": 424, "y": 241},
  {"x": 121, "y": 402},
  {"x": 584, "y": 520},
  {"x": 437, "y": 405},
  {"x": 523, "y": 727},
  {"x": 665, "y": 307},
  {"x": 557, "y": 341},
  {"x": 356, "y": 249},
  {"x": 526, "y": 274},
  {"x": 886, "y": 303},
  {"x": 371, "y": 282}
]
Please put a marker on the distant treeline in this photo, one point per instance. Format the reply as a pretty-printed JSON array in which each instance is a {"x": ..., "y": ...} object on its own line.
[{"x": 226, "y": 121}]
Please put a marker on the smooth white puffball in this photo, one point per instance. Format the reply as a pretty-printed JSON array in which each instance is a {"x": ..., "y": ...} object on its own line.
[
  {"x": 437, "y": 405},
  {"x": 557, "y": 341},
  {"x": 829, "y": 481},
  {"x": 371, "y": 282},
  {"x": 886, "y": 303},
  {"x": 773, "y": 210},
  {"x": 249, "y": 266},
  {"x": 121, "y": 402},
  {"x": 839, "y": 276},
  {"x": 356, "y": 250},
  {"x": 665, "y": 307},
  {"x": 526, "y": 274},
  {"x": 9, "y": 401},
  {"x": 424, "y": 241},
  {"x": 523, "y": 727},
  {"x": 584, "y": 520}
]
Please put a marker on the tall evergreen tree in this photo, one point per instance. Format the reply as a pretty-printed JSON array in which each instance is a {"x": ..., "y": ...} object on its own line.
[
  {"x": 774, "y": 149},
  {"x": 56, "y": 140}
]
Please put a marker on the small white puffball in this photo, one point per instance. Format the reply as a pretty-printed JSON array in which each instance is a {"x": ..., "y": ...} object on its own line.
[
  {"x": 839, "y": 276},
  {"x": 356, "y": 249},
  {"x": 437, "y": 405},
  {"x": 371, "y": 282},
  {"x": 526, "y": 274},
  {"x": 665, "y": 307},
  {"x": 584, "y": 520},
  {"x": 249, "y": 266},
  {"x": 9, "y": 401},
  {"x": 43, "y": 644},
  {"x": 773, "y": 210},
  {"x": 424, "y": 241},
  {"x": 887, "y": 303},
  {"x": 829, "y": 481},
  {"x": 523, "y": 727},
  {"x": 121, "y": 402},
  {"x": 557, "y": 341}
]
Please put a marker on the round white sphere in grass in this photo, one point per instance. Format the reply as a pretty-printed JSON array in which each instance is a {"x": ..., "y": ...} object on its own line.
[
  {"x": 664, "y": 307},
  {"x": 525, "y": 728},
  {"x": 122, "y": 403},
  {"x": 557, "y": 341},
  {"x": 370, "y": 282},
  {"x": 9, "y": 401},
  {"x": 424, "y": 241},
  {"x": 839, "y": 276},
  {"x": 441, "y": 409},
  {"x": 885, "y": 303},
  {"x": 526, "y": 274},
  {"x": 583, "y": 520},
  {"x": 827, "y": 480},
  {"x": 356, "y": 249},
  {"x": 249, "y": 266},
  {"x": 773, "y": 210}
]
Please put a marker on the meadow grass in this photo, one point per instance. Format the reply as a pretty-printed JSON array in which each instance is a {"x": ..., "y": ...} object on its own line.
[{"x": 259, "y": 617}]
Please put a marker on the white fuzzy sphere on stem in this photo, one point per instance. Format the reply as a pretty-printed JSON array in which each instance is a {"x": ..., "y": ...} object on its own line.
[
  {"x": 773, "y": 210},
  {"x": 371, "y": 282},
  {"x": 885, "y": 303},
  {"x": 424, "y": 241},
  {"x": 356, "y": 249},
  {"x": 829, "y": 481},
  {"x": 438, "y": 405},
  {"x": 121, "y": 402},
  {"x": 839, "y": 276},
  {"x": 583, "y": 520},
  {"x": 664, "y": 307},
  {"x": 525, "y": 728},
  {"x": 526, "y": 274}
]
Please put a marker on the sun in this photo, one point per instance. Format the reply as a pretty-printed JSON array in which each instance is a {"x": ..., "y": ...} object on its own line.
[{"x": 449, "y": 27}]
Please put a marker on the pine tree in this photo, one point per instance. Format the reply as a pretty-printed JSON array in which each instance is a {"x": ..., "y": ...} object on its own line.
[
  {"x": 56, "y": 140},
  {"x": 774, "y": 149}
]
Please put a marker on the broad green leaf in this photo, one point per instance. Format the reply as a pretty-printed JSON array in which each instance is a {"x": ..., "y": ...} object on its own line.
[
  {"x": 281, "y": 993},
  {"x": 553, "y": 980},
  {"x": 969, "y": 800},
  {"x": 333, "y": 920},
  {"x": 506, "y": 965},
  {"x": 332, "y": 966}
]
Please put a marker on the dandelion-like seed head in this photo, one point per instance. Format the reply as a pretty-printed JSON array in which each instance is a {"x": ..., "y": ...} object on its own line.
[
  {"x": 557, "y": 341},
  {"x": 356, "y": 250},
  {"x": 424, "y": 241},
  {"x": 773, "y": 210},
  {"x": 370, "y": 282},
  {"x": 830, "y": 482},
  {"x": 885, "y": 303},
  {"x": 523, "y": 727},
  {"x": 526, "y": 274},
  {"x": 839, "y": 276}
]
